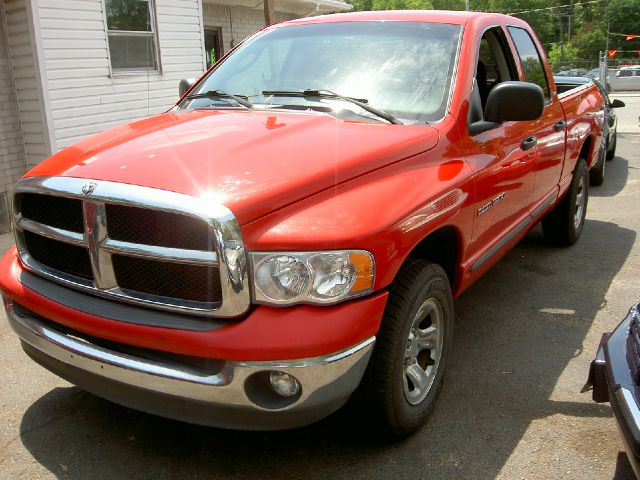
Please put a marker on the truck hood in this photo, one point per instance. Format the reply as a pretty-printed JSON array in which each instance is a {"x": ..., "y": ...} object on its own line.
[{"x": 254, "y": 162}]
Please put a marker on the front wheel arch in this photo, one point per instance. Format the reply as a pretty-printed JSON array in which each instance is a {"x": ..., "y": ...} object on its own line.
[{"x": 443, "y": 247}]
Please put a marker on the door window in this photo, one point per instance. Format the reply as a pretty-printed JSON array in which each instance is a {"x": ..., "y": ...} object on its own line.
[
  {"x": 530, "y": 59},
  {"x": 495, "y": 65}
]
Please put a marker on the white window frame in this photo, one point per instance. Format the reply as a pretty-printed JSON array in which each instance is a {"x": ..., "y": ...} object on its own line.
[{"x": 153, "y": 24}]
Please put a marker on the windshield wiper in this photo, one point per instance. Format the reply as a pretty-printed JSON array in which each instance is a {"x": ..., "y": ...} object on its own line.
[
  {"x": 245, "y": 102},
  {"x": 361, "y": 102}
]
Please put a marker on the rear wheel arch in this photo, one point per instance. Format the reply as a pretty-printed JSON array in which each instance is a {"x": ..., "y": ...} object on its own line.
[
  {"x": 563, "y": 225},
  {"x": 611, "y": 147},
  {"x": 587, "y": 153}
]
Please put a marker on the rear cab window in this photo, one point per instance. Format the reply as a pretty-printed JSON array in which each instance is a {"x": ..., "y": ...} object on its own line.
[{"x": 530, "y": 59}]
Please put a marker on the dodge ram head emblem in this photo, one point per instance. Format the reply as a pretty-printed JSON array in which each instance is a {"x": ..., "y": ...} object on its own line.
[{"x": 88, "y": 188}]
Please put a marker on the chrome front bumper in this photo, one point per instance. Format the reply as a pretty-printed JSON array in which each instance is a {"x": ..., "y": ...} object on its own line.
[{"x": 236, "y": 395}]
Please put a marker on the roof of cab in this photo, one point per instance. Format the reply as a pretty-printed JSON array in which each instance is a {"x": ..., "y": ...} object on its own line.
[{"x": 437, "y": 16}]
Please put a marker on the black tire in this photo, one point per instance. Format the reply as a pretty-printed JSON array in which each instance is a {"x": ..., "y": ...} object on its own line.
[
  {"x": 611, "y": 151},
  {"x": 564, "y": 224},
  {"x": 386, "y": 389},
  {"x": 596, "y": 174}
]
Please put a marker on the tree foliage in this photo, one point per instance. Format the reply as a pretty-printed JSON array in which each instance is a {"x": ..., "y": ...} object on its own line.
[
  {"x": 588, "y": 44},
  {"x": 562, "y": 55},
  {"x": 360, "y": 5},
  {"x": 624, "y": 17},
  {"x": 580, "y": 27}
]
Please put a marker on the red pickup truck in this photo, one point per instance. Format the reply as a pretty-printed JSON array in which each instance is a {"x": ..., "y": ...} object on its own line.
[{"x": 297, "y": 226}]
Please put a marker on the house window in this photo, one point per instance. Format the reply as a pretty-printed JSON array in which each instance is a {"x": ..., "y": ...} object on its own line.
[{"x": 132, "y": 35}]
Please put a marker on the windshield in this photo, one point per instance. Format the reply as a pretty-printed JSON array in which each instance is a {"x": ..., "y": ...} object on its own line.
[{"x": 403, "y": 68}]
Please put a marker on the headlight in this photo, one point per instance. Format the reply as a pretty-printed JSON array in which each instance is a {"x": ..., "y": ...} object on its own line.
[{"x": 287, "y": 278}]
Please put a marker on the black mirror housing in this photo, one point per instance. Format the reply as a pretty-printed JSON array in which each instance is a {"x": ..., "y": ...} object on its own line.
[
  {"x": 617, "y": 104},
  {"x": 514, "y": 101},
  {"x": 184, "y": 85}
]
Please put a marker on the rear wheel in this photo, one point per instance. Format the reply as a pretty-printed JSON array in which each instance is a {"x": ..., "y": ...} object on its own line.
[
  {"x": 406, "y": 369},
  {"x": 611, "y": 151},
  {"x": 564, "y": 224}
]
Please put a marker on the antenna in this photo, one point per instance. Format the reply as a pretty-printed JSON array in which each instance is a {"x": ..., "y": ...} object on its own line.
[{"x": 150, "y": 45}]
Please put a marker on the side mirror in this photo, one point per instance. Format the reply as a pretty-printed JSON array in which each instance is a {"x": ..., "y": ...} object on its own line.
[
  {"x": 514, "y": 101},
  {"x": 185, "y": 84},
  {"x": 617, "y": 104}
]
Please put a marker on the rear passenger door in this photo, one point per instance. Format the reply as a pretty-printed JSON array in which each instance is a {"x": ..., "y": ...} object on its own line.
[{"x": 548, "y": 132}]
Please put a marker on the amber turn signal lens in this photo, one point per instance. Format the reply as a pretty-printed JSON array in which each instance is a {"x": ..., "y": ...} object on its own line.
[{"x": 364, "y": 271}]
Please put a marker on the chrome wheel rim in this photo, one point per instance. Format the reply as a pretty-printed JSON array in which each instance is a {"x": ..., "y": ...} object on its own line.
[
  {"x": 579, "y": 210},
  {"x": 423, "y": 351}
]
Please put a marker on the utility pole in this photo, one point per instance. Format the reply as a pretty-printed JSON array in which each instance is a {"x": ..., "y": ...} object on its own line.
[
  {"x": 561, "y": 42},
  {"x": 466, "y": 5},
  {"x": 606, "y": 58}
]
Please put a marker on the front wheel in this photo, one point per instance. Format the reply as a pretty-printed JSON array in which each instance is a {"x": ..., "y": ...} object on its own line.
[
  {"x": 564, "y": 224},
  {"x": 405, "y": 373}
]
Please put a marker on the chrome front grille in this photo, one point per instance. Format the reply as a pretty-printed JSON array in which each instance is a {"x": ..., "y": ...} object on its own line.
[
  {"x": 153, "y": 227},
  {"x": 135, "y": 244},
  {"x": 72, "y": 259},
  {"x": 58, "y": 212}
]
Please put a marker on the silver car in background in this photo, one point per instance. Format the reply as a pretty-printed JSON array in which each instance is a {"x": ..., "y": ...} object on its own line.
[{"x": 624, "y": 79}]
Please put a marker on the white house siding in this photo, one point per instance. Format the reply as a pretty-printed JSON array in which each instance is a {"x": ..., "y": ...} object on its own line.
[
  {"x": 21, "y": 50},
  {"x": 236, "y": 22},
  {"x": 84, "y": 97},
  {"x": 12, "y": 164}
]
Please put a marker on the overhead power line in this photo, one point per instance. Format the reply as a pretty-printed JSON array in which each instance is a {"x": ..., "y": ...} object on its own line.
[{"x": 555, "y": 7}]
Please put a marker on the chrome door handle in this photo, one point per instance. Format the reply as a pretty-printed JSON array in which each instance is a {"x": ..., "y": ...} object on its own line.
[{"x": 561, "y": 125}]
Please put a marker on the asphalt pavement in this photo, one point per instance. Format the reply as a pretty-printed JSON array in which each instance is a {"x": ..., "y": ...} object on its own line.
[{"x": 510, "y": 407}]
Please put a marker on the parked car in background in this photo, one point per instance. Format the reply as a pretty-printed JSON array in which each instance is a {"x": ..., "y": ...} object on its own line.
[
  {"x": 629, "y": 71},
  {"x": 609, "y": 136},
  {"x": 626, "y": 78},
  {"x": 614, "y": 377},
  {"x": 572, "y": 72},
  {"x": 593, "y": 73},
  {"x": 578, "y": 72},
  {"x": 611, "y": 124}
]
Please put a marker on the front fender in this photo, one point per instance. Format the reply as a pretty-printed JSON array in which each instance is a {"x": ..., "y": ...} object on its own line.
[{"x": 387, "y": 212}]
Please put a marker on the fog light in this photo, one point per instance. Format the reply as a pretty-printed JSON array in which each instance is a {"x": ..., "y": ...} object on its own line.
[{"x": 284, "y": 384}]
